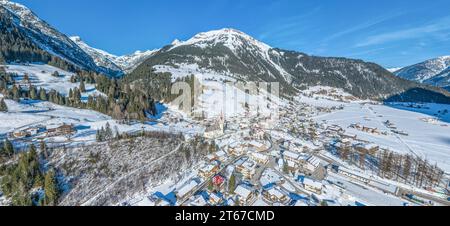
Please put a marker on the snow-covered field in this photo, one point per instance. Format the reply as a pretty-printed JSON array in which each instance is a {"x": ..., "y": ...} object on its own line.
[
  {"x": 427, "y": 137},
  {"x": 33, "y": 113},
  {"x": 219, "y": 97},
  {"x": 41, "y": 76}
]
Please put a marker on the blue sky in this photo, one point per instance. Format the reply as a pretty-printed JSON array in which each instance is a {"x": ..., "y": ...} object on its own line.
[{"x": 391, "y": 33}]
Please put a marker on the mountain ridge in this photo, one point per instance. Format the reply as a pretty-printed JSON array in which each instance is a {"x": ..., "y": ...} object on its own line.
[
  {"x": 22, "y": 26},
  {"x": 235, "y": 54},
  {"x": 434, "y": 72}
]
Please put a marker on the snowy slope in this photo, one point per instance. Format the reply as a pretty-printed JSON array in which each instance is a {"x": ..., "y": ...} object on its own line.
[
  {"x": 41, "y": 76},
  {"x": 220, "y": 98},
  {"x": 232, "y": 53},
  {"x": 101, "y": 58},
  {"x": 120, "y": 64},
  {"x": 393, "y": 70},
  {"x": 129, "y": 62},
  {"x": 46, "y": 37},
  {"x": 429, "y": 130},
  {"x": 428, "y": 72}
]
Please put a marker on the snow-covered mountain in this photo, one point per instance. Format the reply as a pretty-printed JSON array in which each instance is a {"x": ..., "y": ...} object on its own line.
[
  {"x": 394, "y": 69},
  {"x": 121, "y": 64},
  {"x": 129, "y": 62},
  {"x": 433, "y": 72},
  {"x": 234, "y": 54},
  {"x": 20, "y": 26},
  {"x": 100, "y": 57}
]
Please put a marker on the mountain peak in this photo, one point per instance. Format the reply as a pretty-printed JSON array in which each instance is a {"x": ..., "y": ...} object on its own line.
[
  {"x": 229, "y": 37},
  {"x": 429, "y": 72}
]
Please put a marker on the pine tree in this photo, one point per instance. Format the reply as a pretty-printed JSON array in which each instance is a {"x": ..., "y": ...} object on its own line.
[
  {"x": 108, "y": 132},
  {"x": 232, "y": 184},
  {"x": 50, "y": 189},
  {"x": 42, "y": 94},
  {"x": 44, "y": 150},
  {"x": 8, "y": 148},
  {"x": 15, "y": 93},
  {"x": 82, "y": 86},
  {"x": 3, "y": 106},
  {"x": 285, "y": 167},
  {"x": 33, "y": 93}
]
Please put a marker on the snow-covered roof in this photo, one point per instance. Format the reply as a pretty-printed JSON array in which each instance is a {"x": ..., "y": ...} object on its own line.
[
  {"x": 256, "y": 144},
  {"x": 314, "y": 161},
  {"x": 187, "y": 188},
  {"x": 249, "y": 164},
  {"x": 290, "y": 163},
  {"x": 198, "y": 201},
  {"x": 243, "y": 191},
  {"x": 291, "y": 155},
  {"x": 260, "y": 156},
  {"x": 214, "y": 197},
  {"x": 275, "y": 192},
  {"x": 207, "y": 168},
  {"x": 312, "y": 183},
  {"x": 220, "y": 154}
]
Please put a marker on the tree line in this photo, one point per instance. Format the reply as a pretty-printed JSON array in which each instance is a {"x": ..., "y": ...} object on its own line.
[
  {"x": 121, "y": 101},
  {"x": 409, "y": 169},
  {"x": 27, "y": 183}
]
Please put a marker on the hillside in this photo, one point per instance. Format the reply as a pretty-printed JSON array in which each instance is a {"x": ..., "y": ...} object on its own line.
[{"x": 236, "y": 55}]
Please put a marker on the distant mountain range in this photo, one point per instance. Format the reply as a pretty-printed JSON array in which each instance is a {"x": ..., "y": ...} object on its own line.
[
  {"x": 102, "y": 58},
  {"x": 434, "y": 72},
  {"x": 27, "y": 38},
  {"x": 237, "y": 55},
  {"x": 227, "y": 52}
]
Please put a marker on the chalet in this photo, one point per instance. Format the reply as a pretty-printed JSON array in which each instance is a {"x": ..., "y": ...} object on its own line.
[
  {"x": 247, "y": 169},
  {"x": 316, "y": 168},
  {"x": 335, "y": 128},
  {"x": 208, "y": 171},
  {"x": 275, "y": 195},
  {"x": 19, "y": 134},
  {"x": 291, "y": 156},
  {"x": 257, "y": 145},
  {"x": 312, "y": 185},
  {"x": 367, "y": 147},
  {"x": 236, "y": 150},
  {"x": 215, "y": 199},
  {"x": 356, "y": 126},
  {"x": 347, "y": 135},
  {"x": 370, "y": 130},
  {"x": 260, "y": 158},
  {"x": 220, "y": 155},
  {"x": 245, "y": 195},
  {"x": 61, "y": 130},
  {"x": 298, "y": 159}
]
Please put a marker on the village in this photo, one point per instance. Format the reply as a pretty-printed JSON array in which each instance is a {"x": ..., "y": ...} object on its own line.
[
  {"x": 301, "y": 158},
  {"x": 290, "y": 162}
]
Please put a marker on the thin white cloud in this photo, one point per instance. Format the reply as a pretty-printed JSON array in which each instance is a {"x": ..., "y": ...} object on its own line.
[
  {"x": 286, "y": 28},
  {"x": 363, "y": 26},
  {"x": 436, "y": 29}
]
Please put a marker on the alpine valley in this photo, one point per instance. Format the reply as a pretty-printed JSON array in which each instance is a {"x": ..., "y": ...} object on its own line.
[{"x": 80, "y": 126}]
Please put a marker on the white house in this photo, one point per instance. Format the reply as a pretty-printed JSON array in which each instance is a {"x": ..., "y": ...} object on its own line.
[
  {"x": 312, "y": 186},
  {"x": 260, "y": 158}
]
